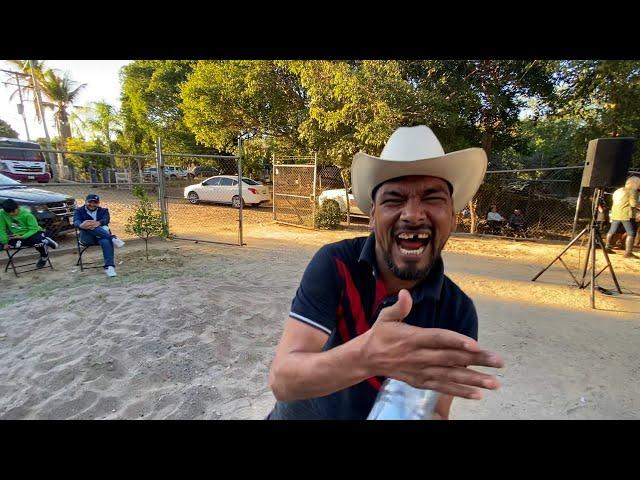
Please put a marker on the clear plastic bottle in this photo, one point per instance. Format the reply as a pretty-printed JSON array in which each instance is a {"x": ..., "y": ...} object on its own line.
[{"x": 397, "y": 400}]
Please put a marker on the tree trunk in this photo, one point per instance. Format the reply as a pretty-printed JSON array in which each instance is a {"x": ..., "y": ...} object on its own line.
[
  {"x": 474, "y": 218},
  {"x": 146, "y": 247}
]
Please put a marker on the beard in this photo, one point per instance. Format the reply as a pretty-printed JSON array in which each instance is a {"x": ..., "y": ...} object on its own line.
[{"x": 412, "y": 273}]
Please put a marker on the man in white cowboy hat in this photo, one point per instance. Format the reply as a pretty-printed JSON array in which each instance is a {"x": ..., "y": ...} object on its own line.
[
  {"x": 625, "y": 212},
  {"x": 381, "y": 307}
]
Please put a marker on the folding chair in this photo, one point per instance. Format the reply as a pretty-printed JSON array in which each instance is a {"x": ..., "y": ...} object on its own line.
[
  {"x": 83, "y": 248},
  {"x": 12, "y": 252}
]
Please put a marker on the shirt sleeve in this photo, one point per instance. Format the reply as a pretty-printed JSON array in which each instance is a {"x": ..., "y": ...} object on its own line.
[
  {"x": 105, "y": 220},
  {"x": 32, "y": 225},
  {"x": 76, "y": 218},
  {"x": 4, "y": 236},
  {"x": 316, "y": 299}
]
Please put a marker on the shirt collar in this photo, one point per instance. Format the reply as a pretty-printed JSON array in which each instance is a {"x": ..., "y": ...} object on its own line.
[{"x": 429, "y": 287}]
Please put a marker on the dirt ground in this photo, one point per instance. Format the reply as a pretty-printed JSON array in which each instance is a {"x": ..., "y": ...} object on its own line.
[{"x": 190, "y": 333}]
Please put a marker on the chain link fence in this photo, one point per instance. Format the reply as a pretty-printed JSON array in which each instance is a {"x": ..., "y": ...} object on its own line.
[
  {"x": 206, "y": 201},
  {"x": 531, "y": 203},
  {"x": 54, "y": 203},
  {"x": 294, "y": 190}
]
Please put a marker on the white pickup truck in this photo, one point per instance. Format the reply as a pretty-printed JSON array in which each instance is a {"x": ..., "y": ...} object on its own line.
[{"x": 339, "y": 195}]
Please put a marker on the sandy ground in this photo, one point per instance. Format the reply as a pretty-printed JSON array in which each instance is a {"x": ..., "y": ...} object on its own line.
[{"x": 190, "y": 334}]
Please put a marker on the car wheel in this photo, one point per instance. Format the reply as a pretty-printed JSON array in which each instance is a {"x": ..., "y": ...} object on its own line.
[
  {"x": 235, "y": 202},
  {"x": 193, "y": 198}
]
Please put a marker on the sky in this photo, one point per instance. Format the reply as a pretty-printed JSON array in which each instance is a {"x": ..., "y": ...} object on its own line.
[{"x": 101, "y": 77}]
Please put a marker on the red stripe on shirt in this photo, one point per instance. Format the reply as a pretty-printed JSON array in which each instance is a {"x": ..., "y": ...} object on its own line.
[{"x": 357, "y": 311}]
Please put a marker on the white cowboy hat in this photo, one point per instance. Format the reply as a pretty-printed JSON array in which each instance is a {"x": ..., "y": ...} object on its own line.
[{"x": 417, "y": 151}]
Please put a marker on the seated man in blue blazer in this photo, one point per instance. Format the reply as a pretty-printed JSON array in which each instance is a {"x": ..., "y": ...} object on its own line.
[{"x": 93, "y": 222}]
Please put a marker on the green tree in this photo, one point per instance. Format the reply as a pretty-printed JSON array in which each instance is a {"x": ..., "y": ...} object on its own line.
[
  {"x": 151, "y": 105},
  {"x": 82, "y": 161},
  {"x": 601, "y": 98},
  {"x": 6, "y": 130},
  {"x": 102, "y": 122},
  {"x": 146, "y": 220},
  {"x": 224, "y": 99}
]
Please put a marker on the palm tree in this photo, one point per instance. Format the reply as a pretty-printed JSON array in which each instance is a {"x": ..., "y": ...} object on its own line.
[
  {"x": 102, "y": 121},
  {"x": 24, "y": 66},
  {"x": 61, "y": 91}
]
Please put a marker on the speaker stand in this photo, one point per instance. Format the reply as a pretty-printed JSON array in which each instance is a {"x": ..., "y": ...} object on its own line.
[{"x": 594, "y": 240}]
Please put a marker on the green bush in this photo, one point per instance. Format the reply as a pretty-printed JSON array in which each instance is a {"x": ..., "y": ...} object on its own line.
[
  {"x": 146, "y": 221},
  {"x": 328, "y": 215}
]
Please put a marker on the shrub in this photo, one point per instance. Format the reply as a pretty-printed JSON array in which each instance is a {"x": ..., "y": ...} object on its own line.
[
  {"x": 146, "y": 220},
  {"x": 328, "y": 215}
]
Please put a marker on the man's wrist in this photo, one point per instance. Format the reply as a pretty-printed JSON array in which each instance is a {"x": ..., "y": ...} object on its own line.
[{"x": 361, "y": 356}]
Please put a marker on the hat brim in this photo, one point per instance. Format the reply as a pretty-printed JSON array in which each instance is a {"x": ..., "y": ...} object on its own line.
[{"x": 464, "y": 169}]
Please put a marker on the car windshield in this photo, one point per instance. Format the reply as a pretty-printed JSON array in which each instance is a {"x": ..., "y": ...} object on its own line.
[
  {"x": 248, "y": 181},
  {"x": 6, "y": 182}
]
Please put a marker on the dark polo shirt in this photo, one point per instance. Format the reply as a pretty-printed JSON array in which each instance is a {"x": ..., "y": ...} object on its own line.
[{"x": 341, "y": 294}]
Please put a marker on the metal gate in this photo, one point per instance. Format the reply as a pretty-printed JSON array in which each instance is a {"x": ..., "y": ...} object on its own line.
[
  {"x": 203, "y": 203},
  {"x": 294, "y": 190}
]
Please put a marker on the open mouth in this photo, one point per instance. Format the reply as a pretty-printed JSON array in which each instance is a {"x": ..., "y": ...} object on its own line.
[{"x": 413, "y": 243}]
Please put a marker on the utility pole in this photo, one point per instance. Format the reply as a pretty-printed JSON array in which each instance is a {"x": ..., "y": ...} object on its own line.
[
  {"x": 54, "y": 171},
  {"x": 21, "y": 104},
  {"x": 21, "y": 107}
]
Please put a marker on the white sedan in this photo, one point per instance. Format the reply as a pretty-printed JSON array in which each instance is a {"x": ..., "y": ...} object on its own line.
[
  {"x": 224, "y": 189},
  {"x": 339, "y": 196}
]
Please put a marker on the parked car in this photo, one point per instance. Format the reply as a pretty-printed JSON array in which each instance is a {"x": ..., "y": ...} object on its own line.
[
  {"x": 339, "y": 195},
  {"x": 200, "y": 171},
  {"x": 170, "y": 171},
  {"x": 24, "y": 165},
  {"x": 224, "y": 189},
  {"x": 54, "y": 211}
]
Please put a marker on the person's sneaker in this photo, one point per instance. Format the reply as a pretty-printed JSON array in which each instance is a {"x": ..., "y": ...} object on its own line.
[
  {"x": 117, "y": 242},
  {"x": 42, "y": 261},
  {"x": 110, "y": 272},
  {"x": 53, "y": 244}
]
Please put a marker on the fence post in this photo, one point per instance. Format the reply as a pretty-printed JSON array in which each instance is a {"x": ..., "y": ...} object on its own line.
[
  {"x": 240, "y": 210},
  {"x": 345, "y": 184},
  {"x": 315, "y": 177},
  {"x": 161, "y": 186},
  {"x": 273, "y": 183}
]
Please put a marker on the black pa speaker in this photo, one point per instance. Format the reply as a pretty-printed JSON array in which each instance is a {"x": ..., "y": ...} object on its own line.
[{"x": 607, "y": 162}]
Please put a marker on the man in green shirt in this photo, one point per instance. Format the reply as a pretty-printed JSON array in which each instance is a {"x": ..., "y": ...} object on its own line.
[{"x": 19, "y": 228}]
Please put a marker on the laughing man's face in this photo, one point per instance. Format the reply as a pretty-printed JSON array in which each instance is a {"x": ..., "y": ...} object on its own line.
[{"x": 412, "y": 218}]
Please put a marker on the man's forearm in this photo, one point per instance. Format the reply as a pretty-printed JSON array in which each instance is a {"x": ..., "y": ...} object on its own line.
[{"x": 307, "y": 375}]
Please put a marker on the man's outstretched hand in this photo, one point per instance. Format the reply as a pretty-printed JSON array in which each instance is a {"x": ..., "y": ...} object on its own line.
[{"x": 429, "y": 358}]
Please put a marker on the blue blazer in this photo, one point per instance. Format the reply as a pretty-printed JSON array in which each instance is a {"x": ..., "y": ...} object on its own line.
[{"x": 80, "y": 215}]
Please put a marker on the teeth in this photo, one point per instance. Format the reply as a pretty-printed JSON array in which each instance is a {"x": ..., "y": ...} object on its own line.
[
  {"x": 408, "y": 236},
  {"x": 417, "y": 251}
]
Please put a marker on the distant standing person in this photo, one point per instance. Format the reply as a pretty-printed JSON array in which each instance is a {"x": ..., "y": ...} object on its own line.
[
  {"x": 93, "y": 222},
  {"x": 22, "y": 226},
  {"x": 625, "y": 212}
]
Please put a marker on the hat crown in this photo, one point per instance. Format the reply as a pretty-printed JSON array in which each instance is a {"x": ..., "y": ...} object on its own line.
[{"x": 412, "y": 143}]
